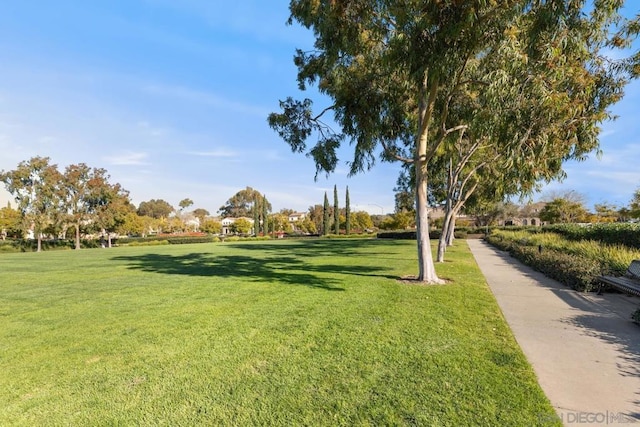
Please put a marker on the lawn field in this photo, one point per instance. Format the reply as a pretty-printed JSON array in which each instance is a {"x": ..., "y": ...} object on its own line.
[{"x": 316, "y": 332}]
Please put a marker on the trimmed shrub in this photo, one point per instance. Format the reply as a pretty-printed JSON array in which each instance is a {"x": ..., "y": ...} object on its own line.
[
  {"x": 149, "y": 243},
  {"x": 611, "y": 233},
  {"x": 575, "y": 270},
  {"x": 411, "y": 235},
  {"x": 187, "y": 240}
]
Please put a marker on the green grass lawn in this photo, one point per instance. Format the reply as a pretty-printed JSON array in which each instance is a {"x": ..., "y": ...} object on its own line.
[{"x": 314, "y": 332}]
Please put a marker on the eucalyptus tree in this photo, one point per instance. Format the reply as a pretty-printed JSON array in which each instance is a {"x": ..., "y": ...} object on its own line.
[
  {"x": 185, "y": 203},
  {"x": 157, "y": 209},
  {"x": 35, "y": 185},
  {"x": 83, "y": 187},
  {"x": 396, "y": 72},
  {"x": 242, "y": 203}
]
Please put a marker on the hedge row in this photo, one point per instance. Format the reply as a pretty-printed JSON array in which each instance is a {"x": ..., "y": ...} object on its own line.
[
  {"x": 575, "y": 271},
  {"x": 459, "y": 233},
  {"x": 612, "y": 233},
  {"x": 29, "y": 245}
]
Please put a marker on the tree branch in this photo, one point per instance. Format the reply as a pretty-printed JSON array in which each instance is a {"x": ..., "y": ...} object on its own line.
[{"x": 394, "y": 155}]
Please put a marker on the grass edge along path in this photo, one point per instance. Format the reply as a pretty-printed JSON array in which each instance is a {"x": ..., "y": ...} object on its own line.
[{"x": 258, "y": 333}]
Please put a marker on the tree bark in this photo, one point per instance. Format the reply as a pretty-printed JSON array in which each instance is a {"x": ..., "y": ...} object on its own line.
[
  {"x": 426, "y": 267},
  {"x": 427, "y": 271},
  {"x": 447, "y": 230},
  {"x": 77, "y": 226}
]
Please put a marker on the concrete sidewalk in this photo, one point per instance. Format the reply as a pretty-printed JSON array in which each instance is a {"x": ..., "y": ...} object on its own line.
[{"x": 583, "y": 347}]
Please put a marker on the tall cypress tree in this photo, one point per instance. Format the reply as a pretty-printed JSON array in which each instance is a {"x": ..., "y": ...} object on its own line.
[
  {"x": 347, "y": 214},
  {"x": 336, "y": 212},
  {"x": 265, "y": 221},
  {"x": 325, "y": 217},
  {"x": 256, "y": 215}
]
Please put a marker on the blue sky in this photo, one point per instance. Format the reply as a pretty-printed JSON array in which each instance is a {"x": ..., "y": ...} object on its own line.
[{"x": 171, "y": 98}]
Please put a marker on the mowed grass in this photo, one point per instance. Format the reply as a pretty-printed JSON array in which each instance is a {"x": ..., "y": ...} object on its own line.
[{"x": 315, "y": 332}]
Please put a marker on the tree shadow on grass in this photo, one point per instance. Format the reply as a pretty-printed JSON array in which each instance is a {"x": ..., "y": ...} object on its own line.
[
  {"x": 282, "y": 269},
  {"x": 315, "y": 247}
]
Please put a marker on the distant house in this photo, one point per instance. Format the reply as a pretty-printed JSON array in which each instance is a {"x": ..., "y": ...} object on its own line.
[
  {"x": 228, "y": 222},
  {"x": 296, "y": 217},
  {"x": 528, "y": 214},
  {"x": 191, "y": 222}
]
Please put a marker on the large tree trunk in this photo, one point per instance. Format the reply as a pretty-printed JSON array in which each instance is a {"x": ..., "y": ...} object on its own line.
[
  {"x": 427, "y": 270},
  {"x": 77, "y": 225}
]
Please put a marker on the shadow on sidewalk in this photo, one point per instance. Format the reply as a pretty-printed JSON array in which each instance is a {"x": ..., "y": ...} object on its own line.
[{"x": 606, "y": 317}]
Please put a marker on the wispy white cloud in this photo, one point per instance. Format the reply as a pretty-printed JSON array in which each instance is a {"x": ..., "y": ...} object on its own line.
[
  {"x": 222, "y": 152},
  {"x": 129, "y": 158}
]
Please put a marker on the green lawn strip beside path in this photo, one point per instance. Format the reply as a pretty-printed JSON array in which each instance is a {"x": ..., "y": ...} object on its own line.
[{"x": 294, "y": 332}]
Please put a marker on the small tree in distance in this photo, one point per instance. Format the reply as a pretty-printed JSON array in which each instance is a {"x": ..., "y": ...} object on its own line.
[
  {"x": 325, "y": 215},
  {"x": 347, "y": 214},
  {"x": 336, "y": 211}
]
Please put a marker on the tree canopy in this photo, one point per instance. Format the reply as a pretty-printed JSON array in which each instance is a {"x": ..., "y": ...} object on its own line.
[
  {"x": 242, "y": 204},
  {"x": 407, "y": 79},
  {"x": 155, "y": 208}
]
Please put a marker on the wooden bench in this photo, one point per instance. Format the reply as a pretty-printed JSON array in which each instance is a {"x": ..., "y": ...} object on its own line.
[{"x": 629, "y": 283}]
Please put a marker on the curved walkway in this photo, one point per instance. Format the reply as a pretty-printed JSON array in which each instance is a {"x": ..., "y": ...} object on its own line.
[{"x": 583, "y": 348}]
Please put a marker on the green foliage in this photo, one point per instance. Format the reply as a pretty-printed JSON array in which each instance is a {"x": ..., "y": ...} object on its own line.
[
  {"x": 159, "y": 242},
  {"x": 189, "y": 240},
  {"x": 243, "y": 203},
  {"x": 634, "y": 205},
  {"x": 325, "y": 215},
  {"x": 155, "y": 208},
  {"x": 211, "y": 226},
  {"x": 563, "y": 211},
  {"x": 185, "y": 203},
  {"x": 336, "y": 211},
  {"x": 574, "y": 263},
  {"x": 10, "y": 222},
  {"x": 399, "y": 221},
  {"x": 241, "y": 226},
  {"x": 574, "y": 271},
  {"x": 347, "y": 215},
  {"x": 611, "y": 234}
]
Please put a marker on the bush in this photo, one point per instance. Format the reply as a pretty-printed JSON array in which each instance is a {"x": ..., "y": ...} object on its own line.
[
  {"x": 186, "y": 240},
  {"x": 411, "y": 235},
  {"x": 149, "y": 243},
  {"x": 399, "y": 235},
  {"x": 611, "y": 234},
  {"x": 574, "y": 270}
]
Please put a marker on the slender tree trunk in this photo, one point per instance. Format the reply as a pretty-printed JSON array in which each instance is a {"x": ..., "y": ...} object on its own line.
[
  {"x": 452, "y": 229},
  {"x": 39, "y": 242},
  {"x": 447, "y": 223},
  {"x": 77, "y": 226}
]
